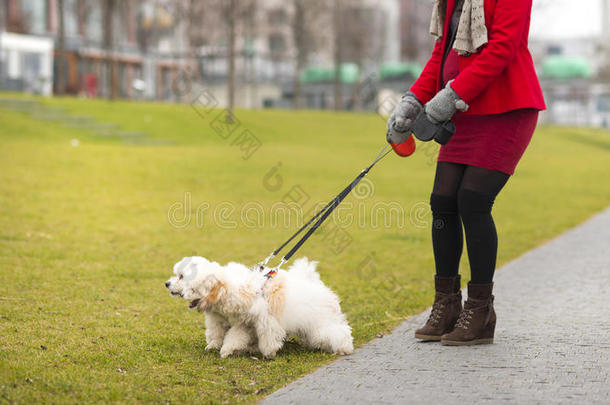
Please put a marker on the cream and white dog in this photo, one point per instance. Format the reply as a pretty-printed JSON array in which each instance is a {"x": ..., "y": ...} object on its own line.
[{"x": 246, "y": 311}]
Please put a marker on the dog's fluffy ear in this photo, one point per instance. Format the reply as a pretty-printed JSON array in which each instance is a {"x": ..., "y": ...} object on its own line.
[{"x": 213, "y": 291}]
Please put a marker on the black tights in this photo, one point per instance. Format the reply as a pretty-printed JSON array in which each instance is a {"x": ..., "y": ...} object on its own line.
[{"x": 465, "y": 194}]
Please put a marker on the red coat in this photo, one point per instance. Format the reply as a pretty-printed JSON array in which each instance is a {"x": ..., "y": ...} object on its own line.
[{"x": 500, "y": 77}]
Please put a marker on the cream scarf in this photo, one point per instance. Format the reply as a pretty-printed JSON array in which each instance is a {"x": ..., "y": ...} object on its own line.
[{"x": 471, "y": 33}]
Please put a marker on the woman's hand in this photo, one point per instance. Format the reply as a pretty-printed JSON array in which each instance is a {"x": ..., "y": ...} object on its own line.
[
  {"x": 444, "y": 105},
  {"x": 402, "y": 118}
]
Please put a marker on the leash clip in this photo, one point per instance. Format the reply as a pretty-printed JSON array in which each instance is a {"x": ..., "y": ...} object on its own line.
[
  {"x": 271, "y": 256},
  {"x": 260, "y": 266},
  {"x": 280, "y": 265}
]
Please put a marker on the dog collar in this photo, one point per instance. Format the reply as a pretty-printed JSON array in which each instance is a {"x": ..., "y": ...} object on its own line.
[{"x": 268, "y": 276}]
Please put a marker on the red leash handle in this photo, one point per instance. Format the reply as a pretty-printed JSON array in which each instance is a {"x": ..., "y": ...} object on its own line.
[{"x": 406, "y": 148}]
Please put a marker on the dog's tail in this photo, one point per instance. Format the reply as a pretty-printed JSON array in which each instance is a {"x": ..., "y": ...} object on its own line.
[{"x": 304, "y": 268}]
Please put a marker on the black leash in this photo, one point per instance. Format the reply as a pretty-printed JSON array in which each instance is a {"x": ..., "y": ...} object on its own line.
[{"x": 321, "y": 216}]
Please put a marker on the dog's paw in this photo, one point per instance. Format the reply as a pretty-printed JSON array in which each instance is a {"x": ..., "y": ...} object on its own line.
[
  {"x": 225, "y": 352},
  {"x": 213, "y": 346},
  {"x": 269, "y": 351},
  {"x": 269, "y": 348},
  {"x": 269, "y": 355},
  {"x": 344, "y": 351},
  {"x": 252, "y": 349}
]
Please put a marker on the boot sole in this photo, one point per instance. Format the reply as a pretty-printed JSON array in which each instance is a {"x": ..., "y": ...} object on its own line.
[
  {"x": 485, "y": 341},
  {"x": 428, "y": 338}
]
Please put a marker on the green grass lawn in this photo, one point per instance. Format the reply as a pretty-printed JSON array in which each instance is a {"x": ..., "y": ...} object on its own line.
[{"x": 86, "y": 245}]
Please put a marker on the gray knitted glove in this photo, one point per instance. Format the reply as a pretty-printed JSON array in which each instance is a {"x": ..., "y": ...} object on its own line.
[
  {"x": 442, "y": 106},
  {"x": 402, "y": 118}
]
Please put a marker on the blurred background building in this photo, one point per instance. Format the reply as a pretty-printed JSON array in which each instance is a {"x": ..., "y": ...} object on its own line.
[
  {"x": 101, "y": 48},
  {"x": 342, "y": 54}
]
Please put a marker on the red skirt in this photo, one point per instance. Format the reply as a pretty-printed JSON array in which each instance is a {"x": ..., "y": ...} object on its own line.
[{"x": 494, "y": 142}]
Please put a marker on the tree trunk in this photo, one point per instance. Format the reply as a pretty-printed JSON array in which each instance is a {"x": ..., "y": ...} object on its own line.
[
  {"x": 114, "y": 67},
  {"x": 605, "y": 65},
  {"x": 81, "y": 13},
  {"x": 301, "y": 45},
  {"x": 195, "y": 73},
  {"x": 357, "y": 97},
  {"x": 337, "y": 86},
  {"x": 337, "y": 55},
  {"x": 114, "y": 79},
  {"x": 231, "y": 79},
  {"x": 296, "y": 104},
  {"x": 111, "y": 71},
  {"x": 2, "y": 29},
  {"x": 153, "y": 49},
  {"x": 61, "y": 56}
]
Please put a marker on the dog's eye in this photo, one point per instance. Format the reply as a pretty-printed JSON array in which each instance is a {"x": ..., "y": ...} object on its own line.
[{"x": 180, "y": 278}]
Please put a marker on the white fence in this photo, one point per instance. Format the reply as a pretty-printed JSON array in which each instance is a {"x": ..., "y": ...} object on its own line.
[{"x": 577, "y": 103}]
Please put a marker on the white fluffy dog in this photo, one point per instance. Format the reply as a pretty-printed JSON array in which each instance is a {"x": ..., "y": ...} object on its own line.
[{"x": 246, "y": 311}]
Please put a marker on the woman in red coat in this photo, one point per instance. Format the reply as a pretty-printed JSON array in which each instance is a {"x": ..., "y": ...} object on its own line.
[{"x": 482, "y": 77}]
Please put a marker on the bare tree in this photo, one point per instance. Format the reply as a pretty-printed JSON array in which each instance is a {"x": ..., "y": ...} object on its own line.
[
  {"x": 16, "y": 20},
  {"x": 363, "y": 39},
  {"x": 307, "y": 24},
  {"x": 337, "y": 14},
  {"x": 604, "y": 71},
  {"x": 230, "y": 19},
  {"x": 194, "y": 13},
  {"x": 61, "y": 51},
  {"x": 83, "y": 8},
  {"x": 2, "y": 28},
  {"x": 302, "y": 47},
  {"x": 413, "y": 28},
  {"x": 353, "y": 30},
  {"x": 202, "y": 29},
  {"x": 233, "y": 15},
  {"x": 111, "y": 63}
]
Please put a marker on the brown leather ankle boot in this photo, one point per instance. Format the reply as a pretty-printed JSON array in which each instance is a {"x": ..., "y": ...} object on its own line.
[
  {"x": 445, "y": 310},
  {"x": 477, "y": 321}
]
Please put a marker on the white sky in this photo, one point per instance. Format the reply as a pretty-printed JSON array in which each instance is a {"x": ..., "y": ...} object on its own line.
[{"x": 566, "y": 18}]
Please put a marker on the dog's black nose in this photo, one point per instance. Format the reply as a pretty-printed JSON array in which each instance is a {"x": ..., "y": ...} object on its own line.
[{"x": 167, "y": 284}]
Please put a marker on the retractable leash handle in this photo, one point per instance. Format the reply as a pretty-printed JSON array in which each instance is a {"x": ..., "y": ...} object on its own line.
[
  {"x": 407, "y": 148},
  {"x": 425, "y": 130}
]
